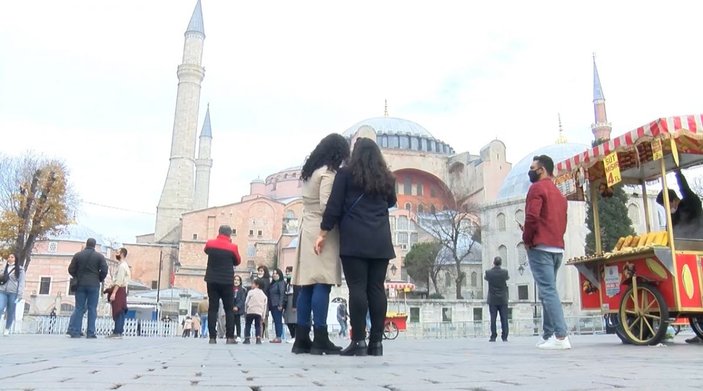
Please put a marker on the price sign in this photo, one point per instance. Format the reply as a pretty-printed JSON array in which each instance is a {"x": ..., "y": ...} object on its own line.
[
  {"x": 674, "y": 151},
  {"x": 612, "y": 169},
  {"x": 657, "y": 149}
]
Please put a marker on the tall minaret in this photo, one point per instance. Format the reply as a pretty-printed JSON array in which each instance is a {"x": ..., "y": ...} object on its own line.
[
  {"x": 203, "y": 164},
  {"x": 178, "y": 191},
  {"x": 601, "y": 128}
]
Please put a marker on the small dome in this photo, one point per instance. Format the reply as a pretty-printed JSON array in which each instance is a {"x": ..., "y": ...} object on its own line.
[
  {"x": 517, "y": 183},
  {"x": 390, "y": 125}
]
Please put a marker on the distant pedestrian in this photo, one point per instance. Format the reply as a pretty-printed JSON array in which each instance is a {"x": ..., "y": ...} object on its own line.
[
  {"x": 290, "y": 312},
  {"x": 222, "y": 258},
  {"x": 255, "y": 306},
  {"x": 52, "y": 320},
  {"x": 196, "y": 325},
  {"x": 11, "y": 290},
  {"x": 498, "y": 298},
  {"x": 342, "y": 317},
  {"x": 89, "y": 268},
  {"x": 361, "y": 195},
  {"x": 277, "y": 300},
  {"x": 262, "y": 273},
  {"x": 543, "y": 235},
  {"x": 187, "y": 326},
  {"x": 203, "y": 306},
  {"x": 118, "y": 293}
]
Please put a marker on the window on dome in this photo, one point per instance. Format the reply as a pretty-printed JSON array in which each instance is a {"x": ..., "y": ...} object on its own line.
[
  {"x": 419, "y": 189},
  {"x": 414, "y": 143},
  {"x": 430, "y": 145},
  {"x": 383, "y": 140},
  {"x": 436, "y": 147},
  {"x": 408, "y": 185},
  {"x": 423, "y": 144},
  {"x": 393, "y": 142},
  {"x": 501, "y": 222},
  {"x": 404, "y": 142}
]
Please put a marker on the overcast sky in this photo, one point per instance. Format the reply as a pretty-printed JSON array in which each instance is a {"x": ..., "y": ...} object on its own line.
[{"x": 94, "y": 82}]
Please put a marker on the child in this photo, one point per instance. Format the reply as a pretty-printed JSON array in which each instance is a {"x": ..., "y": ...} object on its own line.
[{"x": 255, "y": 306}]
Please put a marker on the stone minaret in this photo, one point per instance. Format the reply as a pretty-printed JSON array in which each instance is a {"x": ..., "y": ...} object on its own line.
[
  {"x": 203, "y": 164},
  {"x": 179, "y": 189},
  {"x": 601, "y": 128}
]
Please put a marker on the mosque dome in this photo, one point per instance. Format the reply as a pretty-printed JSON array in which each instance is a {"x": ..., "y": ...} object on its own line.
[
  {"x": 390, "y": 125},
  {"x": 403, "y": 134},
  {"x": 517, "y": 183}
]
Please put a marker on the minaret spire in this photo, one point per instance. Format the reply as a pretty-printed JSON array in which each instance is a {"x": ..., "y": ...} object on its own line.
[
  {"x": 385, "y": 109},
  {"x": 179, "y": 187},
  {"x": 561, "y": 139},
  {"x": 203, "y": 164},
  {"x": 601, "y": 128}
]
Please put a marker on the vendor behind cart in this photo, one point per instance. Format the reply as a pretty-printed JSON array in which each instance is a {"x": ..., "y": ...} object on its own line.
[{"x": 686, "y": 215}]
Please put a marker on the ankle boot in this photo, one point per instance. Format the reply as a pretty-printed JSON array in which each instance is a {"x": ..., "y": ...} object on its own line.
[
  {"x": 375, "y": 349},
  {"x": 302, "y": 342},
  {"x": 355, "y": 348},
  {"x": 322, "y": 344}
]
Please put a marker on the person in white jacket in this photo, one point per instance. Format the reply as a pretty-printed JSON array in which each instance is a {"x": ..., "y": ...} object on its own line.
[{"x": 255, "y": 306}]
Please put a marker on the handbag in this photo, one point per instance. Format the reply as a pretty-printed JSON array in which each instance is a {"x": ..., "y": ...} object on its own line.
[{"x": 5, "y": 277}]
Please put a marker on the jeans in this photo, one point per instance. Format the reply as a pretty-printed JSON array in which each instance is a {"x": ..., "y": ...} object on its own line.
[
  {"x": 313, "y": 299},
  {"x": 257, "y": 325},
  {"x": 7, "y": 301},
  {"x": 365, "y": 279},
  {"x": 203, "y": 326},
  {"x": 277, "y": 321},
  {"x": 342, "y": 327},
  {"x": 215, "y": 292},
  {"x": 501, "y": 309},
  {"x": 86, "y": 300},
  {"x": 544, "y": 267},
  {"x": 119, "y": 323}
]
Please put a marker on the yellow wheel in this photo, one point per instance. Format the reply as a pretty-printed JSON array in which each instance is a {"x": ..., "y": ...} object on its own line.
[{"x": 643, "y": 315}]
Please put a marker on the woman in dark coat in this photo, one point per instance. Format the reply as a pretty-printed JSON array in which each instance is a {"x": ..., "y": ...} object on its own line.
[
  {"x": 277, "y": 300},
  {"x": 361, "y": 195},
  {"x": 240, "y": 295}
]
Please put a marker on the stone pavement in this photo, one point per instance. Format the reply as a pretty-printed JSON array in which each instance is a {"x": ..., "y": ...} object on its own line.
[{"x": 600, "y": 362}]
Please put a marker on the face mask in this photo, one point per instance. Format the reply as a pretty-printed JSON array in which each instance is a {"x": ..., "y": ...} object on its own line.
[{"x": 534, "y": 177}]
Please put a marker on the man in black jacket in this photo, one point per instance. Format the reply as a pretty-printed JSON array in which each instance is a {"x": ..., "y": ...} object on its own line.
[
  {"x": 222, "y": 257},
  {"x": 498, "y": 298},
  {"x": 89, "y": 268}
]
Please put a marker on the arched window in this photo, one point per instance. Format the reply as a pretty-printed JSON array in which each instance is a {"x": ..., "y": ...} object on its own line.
[
  {"x": 433, "y": 210},
  {"x": 420, "y": 209},
  {"x": 501, "y": 222},
  {"x": 520, "y": 216},
  {"x": 448, "y": 279},
  {"x": 521, "y": 255},
  {"x": 503, "y": 253},
  {"x": 408, "y": 206},
  {"x": 474, "y": 279},
  {"x": 633, "y": 212}
]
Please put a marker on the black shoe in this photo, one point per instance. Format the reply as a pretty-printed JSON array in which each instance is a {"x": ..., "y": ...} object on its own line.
[
  {"x": 375, "y": 349},
  {"x": 302, "y": 343},
  {"x": 92, "y": 336},
  {"x": 695, "y": 339},
  {"x": 75, "y": 335},
  {"x": 505, "y": 339},
  {"x": 355, "y": 348},
  {"x": 247, "y": 341},
  {"x": 492, "y": 339},
  {"x": 212, "y": 341},
  {"x": 231, "y": 341},
  {"x": 322, "y": 344}
]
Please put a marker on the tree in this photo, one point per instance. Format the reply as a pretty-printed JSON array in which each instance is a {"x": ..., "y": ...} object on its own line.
[
  {"x": 421, "y": 263},
  {"x": 36, "y": 200},
  {"x": 457, "y": 230}
]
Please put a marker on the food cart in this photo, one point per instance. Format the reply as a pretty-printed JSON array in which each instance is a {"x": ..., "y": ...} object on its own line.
[
  {"x": 646, "y": 281},
  {"x": 396, "y": 320}
]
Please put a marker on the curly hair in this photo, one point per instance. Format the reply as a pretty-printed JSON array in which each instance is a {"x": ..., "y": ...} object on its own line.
[
  {"x": 369, "y": 170},
  {"x": 332, "y": 151}
]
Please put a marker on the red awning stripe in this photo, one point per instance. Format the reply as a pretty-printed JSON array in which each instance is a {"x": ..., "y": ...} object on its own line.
[{"x": 399, "y": 285}]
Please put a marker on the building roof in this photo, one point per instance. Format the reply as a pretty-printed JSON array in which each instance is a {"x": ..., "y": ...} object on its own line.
[
  {"x": 196, "y": 20},
  {"x": 81, "y": 233},
  {"x": 390, "y": 125},
  {"x": 207, "y": 131},
  {"x": 517, "y": 183}
]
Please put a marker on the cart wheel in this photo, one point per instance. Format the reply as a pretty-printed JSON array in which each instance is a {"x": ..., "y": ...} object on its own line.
[
  {"x": 612, "y": 322},
  {"x": 390, "y": 331},
  {"x": 644, "y": 316},
  {"x": 697, "y": 325}
]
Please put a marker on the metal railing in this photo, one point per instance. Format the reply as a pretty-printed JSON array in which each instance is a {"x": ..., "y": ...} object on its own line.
[{"x": 103, "y": 326}]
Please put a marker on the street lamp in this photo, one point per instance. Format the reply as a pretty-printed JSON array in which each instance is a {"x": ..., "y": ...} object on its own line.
[
  {"x": 521, "y": 269},
  {"x": 394, "y": 269}
]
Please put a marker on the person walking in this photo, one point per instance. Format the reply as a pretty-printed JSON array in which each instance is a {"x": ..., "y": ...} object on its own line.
[
  {"x": 89, "y": 268},
  {"x": 342, "y": 317},
  {"x": 290, "y": 311},
  {"x": 543, "y": 235},
  {"x": 361, "y": 195},
  {"x": 196, "y": 325},
  {"x": 255, "y": 307},
  {"x": 203, "y": 307},
  {"x": 187, "y": 326},
  {"x": 277, "y": 300},
  {"x": 240, "y": 296},
  {"x": 498, "y": 298},
  {"x": 316, "y": 271},
  {"x": 118, "y": 293},
  {"x": 222, "y": 258},
  {"x": 12, "y": 283}
]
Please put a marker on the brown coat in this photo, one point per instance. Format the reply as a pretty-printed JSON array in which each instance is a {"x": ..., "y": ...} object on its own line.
[{"x": 310, "y": 268}]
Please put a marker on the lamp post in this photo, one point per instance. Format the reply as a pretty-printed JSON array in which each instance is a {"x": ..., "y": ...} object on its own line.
[
  {"x": 521, "y": 269},
  {"x": 394, "y": 269}
]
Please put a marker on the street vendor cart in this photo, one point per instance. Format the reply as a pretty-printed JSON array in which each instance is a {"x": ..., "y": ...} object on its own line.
[
  {"x": 396, "y": 319},
  {"x": 647, "y": 281}
]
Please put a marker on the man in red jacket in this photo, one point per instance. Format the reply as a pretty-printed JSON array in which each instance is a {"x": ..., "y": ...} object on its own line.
[
  {"x": 222, "y": 257},
  {"x": 543, "y": 235}
]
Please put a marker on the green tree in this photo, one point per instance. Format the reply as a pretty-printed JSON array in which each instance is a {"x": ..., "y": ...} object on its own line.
[
  {"x": 614, "y": 221},
  {"x": 421, "y": 265}
]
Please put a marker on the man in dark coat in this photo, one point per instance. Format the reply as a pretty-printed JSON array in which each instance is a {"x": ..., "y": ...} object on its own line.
[
  {"x": 89, "y": 268},
  {"x": 498, "y": 298},
  {"x": 222, "y": 257}
]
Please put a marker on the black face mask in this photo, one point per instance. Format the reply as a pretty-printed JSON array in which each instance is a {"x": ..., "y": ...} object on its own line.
[{"x": 534, "y": 176}]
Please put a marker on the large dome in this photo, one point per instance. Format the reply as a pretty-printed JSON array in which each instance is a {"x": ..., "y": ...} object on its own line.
[
  {"x": 517, "y": 183},
  {"x": 390, "y": 125}
]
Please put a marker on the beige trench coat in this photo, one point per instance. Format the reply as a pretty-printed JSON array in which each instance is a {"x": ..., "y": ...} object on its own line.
[{"x": 310, "y": 268}]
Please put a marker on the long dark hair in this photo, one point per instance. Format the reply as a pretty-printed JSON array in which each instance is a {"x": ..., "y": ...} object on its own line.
[
  {"x": 17, "y": 266},
  {"x": 369, "y": 170},
  {"x": 281, "y": 277},
  {"x": 331, "y": 152}
]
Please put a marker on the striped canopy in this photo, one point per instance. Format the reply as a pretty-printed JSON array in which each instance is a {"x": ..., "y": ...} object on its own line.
[{"x": 399, "y": 285}]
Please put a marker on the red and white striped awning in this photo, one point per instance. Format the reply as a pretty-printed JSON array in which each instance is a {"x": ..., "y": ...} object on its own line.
[
  {"x": 686, "y": 130},
  {"x": 399, "y": 285}
]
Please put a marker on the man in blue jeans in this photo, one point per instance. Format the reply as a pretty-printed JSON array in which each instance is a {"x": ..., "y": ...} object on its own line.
[
  {"x": 89, "y": 268},
  {"x": 543, "y": 235}
]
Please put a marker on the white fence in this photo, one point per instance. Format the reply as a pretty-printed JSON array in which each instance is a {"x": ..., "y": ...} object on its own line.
[{"x": 103, "y": 326}]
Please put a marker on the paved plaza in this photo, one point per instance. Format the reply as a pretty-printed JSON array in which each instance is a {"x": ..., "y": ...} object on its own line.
[{"x": 600, "y": 362}]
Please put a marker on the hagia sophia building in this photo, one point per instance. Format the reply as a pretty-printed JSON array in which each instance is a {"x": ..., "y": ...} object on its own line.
[{"x": 265, "y": 222}]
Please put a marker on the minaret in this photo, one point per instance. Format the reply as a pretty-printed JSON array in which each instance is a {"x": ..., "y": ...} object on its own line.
[
  {"x": 178, "y": 191},
  {"x": 203, "y": 164},
  {"x": 601, "y": 128},
  {"x": 561, "y": 139}
]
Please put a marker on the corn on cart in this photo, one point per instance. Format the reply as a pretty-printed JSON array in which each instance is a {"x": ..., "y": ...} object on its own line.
[{"x": 647, "y": 281}]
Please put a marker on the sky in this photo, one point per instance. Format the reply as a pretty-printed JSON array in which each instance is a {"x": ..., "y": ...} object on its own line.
[{"x": 94, "y": 82}]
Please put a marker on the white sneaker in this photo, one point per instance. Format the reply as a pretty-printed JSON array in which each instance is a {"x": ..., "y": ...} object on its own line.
[
  {"x": 6, "y": 333},
  {"x": 556, "y": 344},
  {"x": 238, "y": 339},
  {"x": 290, "y": 340},
  {"x": 541, "y": 341}
]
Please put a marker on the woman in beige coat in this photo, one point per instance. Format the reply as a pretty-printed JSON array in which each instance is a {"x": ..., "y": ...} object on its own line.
[{"x": 315, "y": 274}]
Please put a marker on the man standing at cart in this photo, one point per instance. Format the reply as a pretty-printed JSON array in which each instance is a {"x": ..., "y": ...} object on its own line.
[
  {"x": 543, "y": 235},
  {"x": 498, "y": 298},
  {"x": 686, "y": 213}
]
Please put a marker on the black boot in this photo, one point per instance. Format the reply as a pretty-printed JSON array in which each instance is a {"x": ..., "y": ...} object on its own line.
[
  {"x": 322, "y": 344},
  {"x": 302, "y": 342},
  {"x": 356, "y": 348},
  {"x": 375, "y": 348}
]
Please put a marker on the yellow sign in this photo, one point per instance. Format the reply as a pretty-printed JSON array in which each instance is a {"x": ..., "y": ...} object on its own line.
[
  {"x": 657, "y": 149},
  {"x": 612, "y": 169},
  {"x": 674, "y": 151}
]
